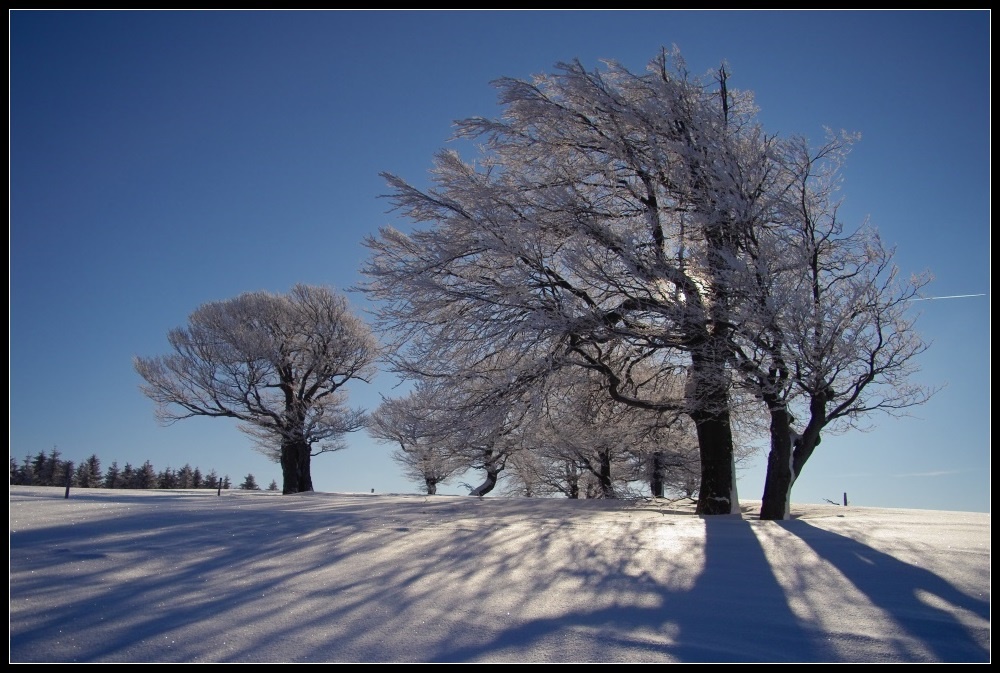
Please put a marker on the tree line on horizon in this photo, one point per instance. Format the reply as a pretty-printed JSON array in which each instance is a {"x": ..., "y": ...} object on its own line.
[{"x": 48, "y": 469}]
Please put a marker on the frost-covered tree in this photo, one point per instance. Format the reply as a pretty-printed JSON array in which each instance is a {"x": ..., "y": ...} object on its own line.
[
  {"x": 827, "y": 337},
  {"x": 644, "y": 227},
  {"x": 276, "y": 363},
  {"x": 21, "y": 474},
  {"x": 605, "y": 214},
  {"x": 41, "y": 469},
  {"x": 167, "y": 478},
  {"x": 423, "y": 439},
  {"x": 211, "y": 480},
  {"x": 185, "y": 477},
  {"x": 57, "y": 470},
  {"x": 526, "y": 477},
  {"x": 496, "y": 441},
  {"x": 580, "y": 436},
  {"x": 49, "y": 469},
  {"x": 579, "y": 430},
  {"x": 453, "y": 425},
  {"x": 128, "y": 477}
]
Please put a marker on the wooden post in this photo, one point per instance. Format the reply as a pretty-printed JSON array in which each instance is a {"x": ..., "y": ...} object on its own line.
[
  {"x": 845, "y": 500},
  {"x": 220, "y": 486},
  {"x": 69, "y": 478}
]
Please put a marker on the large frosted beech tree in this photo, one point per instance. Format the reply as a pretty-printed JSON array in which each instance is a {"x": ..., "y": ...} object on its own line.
[
  {"x": 605, "y": 214},
  {"x": 276, "y": 363},
  {"x": 645, "y": 227}
]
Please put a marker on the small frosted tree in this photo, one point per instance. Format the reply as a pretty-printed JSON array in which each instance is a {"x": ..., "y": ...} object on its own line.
[
  {"x": 185, "y": 477},
  {"x": 422, "y": 434},
  {"x": 113, "y": 476},
  {"x": 277, "y": 364},
  {"x": 146, "y": 476}
]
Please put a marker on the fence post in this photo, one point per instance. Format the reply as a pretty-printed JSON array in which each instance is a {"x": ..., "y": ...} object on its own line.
[
  {"x": 220, "y": 486},
  {"x": 69, "y": 478},
  {"x": 845, "y": 500}
]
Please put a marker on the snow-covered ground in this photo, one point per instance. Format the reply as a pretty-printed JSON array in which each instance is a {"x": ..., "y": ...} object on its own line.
[{"x": 191, "y": 576}]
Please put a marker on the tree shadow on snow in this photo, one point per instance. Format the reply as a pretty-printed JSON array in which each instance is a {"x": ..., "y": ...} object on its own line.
[
  {"x": 366, "y": 579},
  {"x": 703, "y": 623},
  {"x": 872, "y": 571}
]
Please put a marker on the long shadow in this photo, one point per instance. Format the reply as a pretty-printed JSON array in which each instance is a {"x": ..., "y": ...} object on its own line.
[
  {"x": 770, "y": 633},
  {"x": 895, "y": 587},
  {"x": 708, "y": 621},
  {"x": 265, "y": 575},
  {"x": 122, "y": 611}
]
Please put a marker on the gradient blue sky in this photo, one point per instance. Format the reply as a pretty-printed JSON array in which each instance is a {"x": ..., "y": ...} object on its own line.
[{"x": 163, "y": 159}]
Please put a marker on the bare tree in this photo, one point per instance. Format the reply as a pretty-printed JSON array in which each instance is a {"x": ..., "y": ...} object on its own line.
[
  {"x": 425, "y": 444},
  {"x": 278, "y": 364},
  {"x": 579, "y": 431},
  {"x": 645, "y": 227},
  {"x": 829, "y": 332},
  {"x": 604, "y": 216}
]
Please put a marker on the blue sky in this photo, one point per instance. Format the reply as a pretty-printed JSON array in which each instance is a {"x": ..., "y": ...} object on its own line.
[{"x": 163, "y": 159}]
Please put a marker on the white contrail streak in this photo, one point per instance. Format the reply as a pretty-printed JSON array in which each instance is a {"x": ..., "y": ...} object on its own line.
[{"x": 951, "y": 296}]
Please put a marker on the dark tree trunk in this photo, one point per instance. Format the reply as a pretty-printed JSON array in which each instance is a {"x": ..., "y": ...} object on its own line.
[
  {"x": 431, "y": 485},
  {"x": 779, "y": 478},
  {"x": 493, "y": 462},
  {"x": 709, "y": 399},
  {"x": 788, "y": 456},
  {"x": 572, "y": 481},
  {"x": 492, "y": 474},
  {"x": 604, "y": 477},
  {"x": 717, "y": 492},
  {"x": 295, "y": 466},
  {"x": 656, "y": 475},
  {"x": 811, "y": 435}
]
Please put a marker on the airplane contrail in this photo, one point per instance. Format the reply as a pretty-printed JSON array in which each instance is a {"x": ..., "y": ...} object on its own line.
[{"x": 951, "y": 296}]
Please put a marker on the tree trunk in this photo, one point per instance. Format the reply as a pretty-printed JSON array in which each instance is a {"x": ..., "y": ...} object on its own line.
[
  {"x": 788, "y": 457},
  {"x": 811, "y": 435},
  {"x": 295, "y": 466},
  {"x": 709, "y": 400},
  {"x": 778, "y": 481},
  {"x": 431, "y": 486},
  {"x": 656, "y": 475},
  {"x": 493, "y": 463},
  {"x": 717, "y": 492},
  {"x": 604, "y": 478},
  {"x": 492, "y": 475}
]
